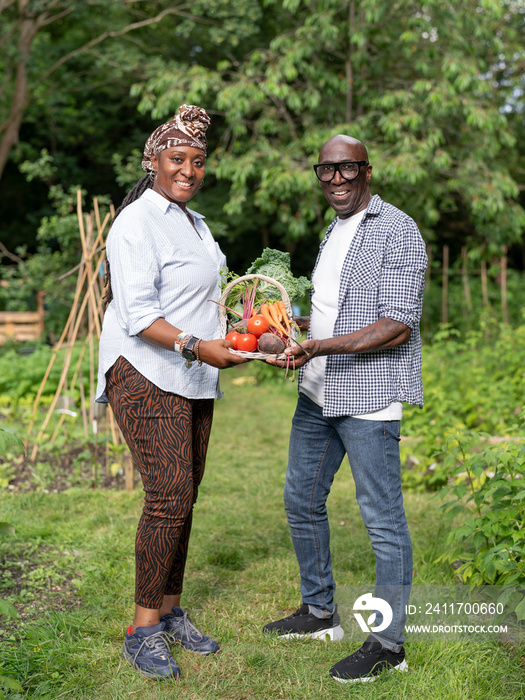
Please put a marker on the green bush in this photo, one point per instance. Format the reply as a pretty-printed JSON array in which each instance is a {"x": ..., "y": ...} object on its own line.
[
  {"x": 21, "y": 375},
  {"x": 488, "y": 493},
  {"x": 469, "y": 384}
]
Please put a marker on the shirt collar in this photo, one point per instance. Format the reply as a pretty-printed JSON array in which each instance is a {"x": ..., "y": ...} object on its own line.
[
  {"x": 164, "y": 204},
  {"x": 374, "y": 205}
]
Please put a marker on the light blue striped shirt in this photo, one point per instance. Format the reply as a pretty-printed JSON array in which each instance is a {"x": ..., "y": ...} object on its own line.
[{"x": 161, "y": 267}]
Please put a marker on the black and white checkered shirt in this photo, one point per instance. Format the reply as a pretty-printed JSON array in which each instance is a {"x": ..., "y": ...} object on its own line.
[{"x": 383, "y": 275}]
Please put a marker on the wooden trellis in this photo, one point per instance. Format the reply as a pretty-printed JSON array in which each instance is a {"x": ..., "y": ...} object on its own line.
[
  {"x": 446, "y": 270},
  {"x": 86, "y": 312}
]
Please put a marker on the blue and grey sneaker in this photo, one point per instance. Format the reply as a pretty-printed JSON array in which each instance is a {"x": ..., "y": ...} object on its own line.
[
  {"x": 182, "y": 628},
  {"x": 148, "y": 652}
]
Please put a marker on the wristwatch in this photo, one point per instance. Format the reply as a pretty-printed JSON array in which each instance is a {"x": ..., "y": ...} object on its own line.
[{"x": 187, "y": 352}]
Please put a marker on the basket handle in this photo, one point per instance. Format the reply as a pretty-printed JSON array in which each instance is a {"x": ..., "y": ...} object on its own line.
[{"x": 222, "y": 311}]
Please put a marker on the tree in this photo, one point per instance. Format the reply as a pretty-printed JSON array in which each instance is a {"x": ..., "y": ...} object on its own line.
[
  {"x": 40, "y": 37},
  {"x": 434, "y": 89},
  {"x": 78, "y": 104},
  {"x": 80, "y": 113},
  {"x": 426, "y": 85}
]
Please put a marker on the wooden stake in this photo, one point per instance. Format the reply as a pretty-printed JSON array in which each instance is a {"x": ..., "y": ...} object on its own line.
[
  {"x": 71, "y": 328},
  {"x": 503, "y": 281},
  {"x": 86, "y": 314},
  {"x": 467, "y": 308},
  {"x": 128, "y": 472},
  {"x": 83, "y": 403},
  {"x": 444, "y": 301},
  {"x": 484, "y": 284},
  {"x": 56, "y": 350},
  {"x": 427, "y": 271},
  {"x": 67, "y": 361}
]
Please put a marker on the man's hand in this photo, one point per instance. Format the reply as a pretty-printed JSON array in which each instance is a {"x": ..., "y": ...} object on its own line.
[
  {"x": 299, "y": 354},
  {"x": 302, "y": 322},
  {"x": 381, "y": 335}
]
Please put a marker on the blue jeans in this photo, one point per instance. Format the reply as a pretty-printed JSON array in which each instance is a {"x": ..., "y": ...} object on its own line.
[{"x": 317, "y": 447}]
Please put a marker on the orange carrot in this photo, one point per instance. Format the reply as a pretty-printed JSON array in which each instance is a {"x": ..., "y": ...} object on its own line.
[
  {"x": 274, "y": 314},
  {"x": 288, "y": 331},
  {"x": 265, "y": 311},
  {"x": 284, "y": 316}
]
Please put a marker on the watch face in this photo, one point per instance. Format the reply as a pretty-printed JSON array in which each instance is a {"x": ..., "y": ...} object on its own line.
[{"x": 187, "y": 353}]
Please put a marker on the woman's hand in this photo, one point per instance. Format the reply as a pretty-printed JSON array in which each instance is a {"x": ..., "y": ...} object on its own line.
[
  {"x": 213, "y": 352},
  {"x": 216, "y": 354}
]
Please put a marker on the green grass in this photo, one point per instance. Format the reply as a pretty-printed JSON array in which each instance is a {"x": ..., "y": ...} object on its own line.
[{"x": 71, "y": 559}]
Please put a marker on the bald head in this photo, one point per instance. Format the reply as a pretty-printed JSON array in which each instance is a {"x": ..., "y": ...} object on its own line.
[{"x": 342, "y": 141}]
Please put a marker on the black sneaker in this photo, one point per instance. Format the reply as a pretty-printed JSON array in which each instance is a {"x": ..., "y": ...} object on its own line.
[
  {"x": 148, "y": 652},
  {"x": 303, "y": 624},
  {"x": 367, "y": 663}
]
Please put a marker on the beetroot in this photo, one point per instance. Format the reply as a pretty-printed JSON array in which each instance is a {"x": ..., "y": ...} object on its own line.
[
  {"x": 240, "y": 326},
  {"x": 271, "y": 344}
]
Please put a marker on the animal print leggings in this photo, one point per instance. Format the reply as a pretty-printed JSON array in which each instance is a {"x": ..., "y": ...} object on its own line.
[{"x": 168, "y": 438}]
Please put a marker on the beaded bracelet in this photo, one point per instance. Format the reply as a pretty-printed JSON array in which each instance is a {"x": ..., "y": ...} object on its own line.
[
  {"x": 179, "y": 344},
  {"x": 196, "y": 351},
  {"x": 184, "y": 342}
]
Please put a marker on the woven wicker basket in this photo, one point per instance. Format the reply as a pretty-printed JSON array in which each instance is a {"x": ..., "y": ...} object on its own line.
[{"x": 224, "y": 320}]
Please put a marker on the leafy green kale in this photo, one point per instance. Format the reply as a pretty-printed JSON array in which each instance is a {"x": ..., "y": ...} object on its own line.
[
  {"x": 250, "y": 294},
  {"x": 276, "y": 264}
]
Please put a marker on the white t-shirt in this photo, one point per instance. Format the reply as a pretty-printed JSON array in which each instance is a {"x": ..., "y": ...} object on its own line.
[{"x": 323, "y": 313}]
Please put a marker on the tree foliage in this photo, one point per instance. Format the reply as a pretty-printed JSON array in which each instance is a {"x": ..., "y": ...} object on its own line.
[
  {"x": 51, "y": 45},
  {"x": 428, "y": 86},
  {"x": 434, "y": 89}
]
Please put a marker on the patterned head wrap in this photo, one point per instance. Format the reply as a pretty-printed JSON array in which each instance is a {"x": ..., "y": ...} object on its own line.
[{"x": 187, "y": 128}]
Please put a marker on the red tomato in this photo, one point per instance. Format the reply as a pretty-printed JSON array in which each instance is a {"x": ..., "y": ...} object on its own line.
[
  {"x": 258, "y": 325},
  {"x": 233, "y": 336},
  {"x": 246, "y": 342}
]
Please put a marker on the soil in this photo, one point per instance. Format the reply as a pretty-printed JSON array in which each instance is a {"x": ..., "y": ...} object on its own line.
[{"x": 58, "y": 471}]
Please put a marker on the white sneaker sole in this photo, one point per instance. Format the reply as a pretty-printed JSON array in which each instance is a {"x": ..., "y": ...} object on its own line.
[
  {"x": 333, "y": 634},
  {"x": 403, "y": 666}
]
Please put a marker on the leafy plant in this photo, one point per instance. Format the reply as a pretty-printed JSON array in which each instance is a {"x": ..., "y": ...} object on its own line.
[
  {"x": 469, "y": 385},
  {"x": 21, "y": 375},
  {"x": 488, "y": 492},
  {"x": 246, "y": 296},
  {"x": 276, "y": 264},
  {"x": 9, "y": 439},
  {"x": 9, "y": 611}
]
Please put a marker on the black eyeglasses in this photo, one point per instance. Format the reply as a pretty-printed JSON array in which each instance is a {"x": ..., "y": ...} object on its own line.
[{"x": 349, "y": 169}]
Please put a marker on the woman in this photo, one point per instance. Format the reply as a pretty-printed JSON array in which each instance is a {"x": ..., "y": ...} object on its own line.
[{"x": 158, "y": 369}]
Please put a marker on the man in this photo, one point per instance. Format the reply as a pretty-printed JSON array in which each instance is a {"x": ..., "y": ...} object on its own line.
[{"x": 361, "y": 361}]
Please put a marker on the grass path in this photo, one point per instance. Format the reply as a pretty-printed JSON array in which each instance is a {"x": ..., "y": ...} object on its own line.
[{"x": 72, "y": 554}]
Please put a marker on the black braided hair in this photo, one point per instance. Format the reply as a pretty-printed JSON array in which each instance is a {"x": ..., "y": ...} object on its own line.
[{"x": 142, "y": 185}]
